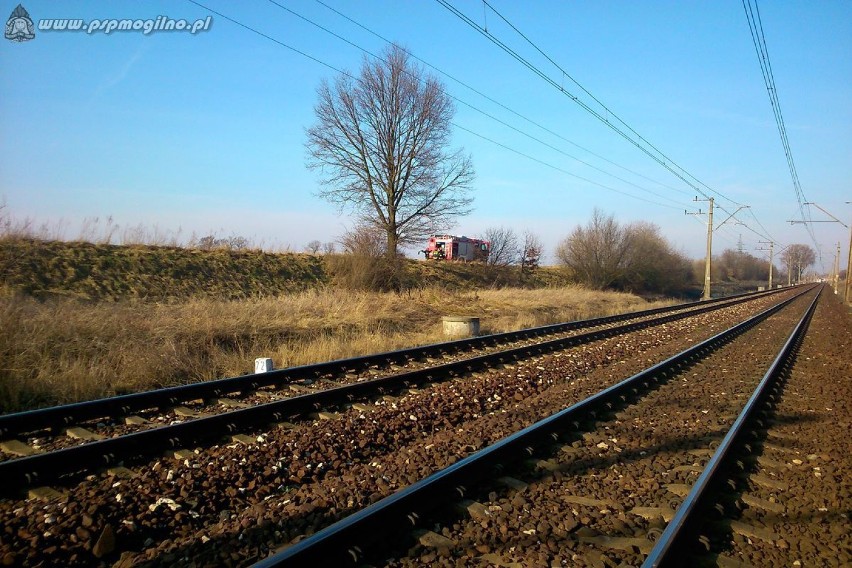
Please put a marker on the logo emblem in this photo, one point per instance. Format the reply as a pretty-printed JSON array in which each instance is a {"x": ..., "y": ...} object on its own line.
[{"x": 19, "y": 26}]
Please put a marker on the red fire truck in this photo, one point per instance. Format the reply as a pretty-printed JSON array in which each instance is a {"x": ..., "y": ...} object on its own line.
[{"x": 453, "y": 247}]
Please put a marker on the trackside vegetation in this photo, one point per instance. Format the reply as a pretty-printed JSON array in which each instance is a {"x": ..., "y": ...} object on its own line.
[{"x": 80, "y": 339}]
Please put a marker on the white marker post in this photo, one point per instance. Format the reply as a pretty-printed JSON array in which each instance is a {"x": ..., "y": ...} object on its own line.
[{"x": 263, "y": 365}]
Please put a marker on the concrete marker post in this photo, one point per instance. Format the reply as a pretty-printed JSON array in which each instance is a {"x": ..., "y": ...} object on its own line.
[{"x": 263, "y": 365}]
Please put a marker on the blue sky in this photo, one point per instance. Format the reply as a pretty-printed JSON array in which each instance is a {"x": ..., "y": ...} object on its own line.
[{"x": 206, "y": 132}]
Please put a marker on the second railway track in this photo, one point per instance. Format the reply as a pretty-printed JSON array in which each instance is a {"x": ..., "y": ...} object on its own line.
[
  {"x": 59, "y": 418},
  {"x": 600, "y": 499},
  {"x": 248, "y": 489},
  {"x": 304, "y": 390}
]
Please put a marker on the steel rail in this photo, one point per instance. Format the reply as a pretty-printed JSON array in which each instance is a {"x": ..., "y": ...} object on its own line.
[
  {"x": 57, "y": 417},
  {"x": 39, "y": 469},
  {"x": 669, "y": 546},
  {"x": 343, "y": 541}
]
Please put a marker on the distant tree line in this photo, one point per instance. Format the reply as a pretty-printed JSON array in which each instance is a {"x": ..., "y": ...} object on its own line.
[
  {"x": 740, "y": 266},
  {"x": 212, "y": 242},
  {"x": 797, "y": 258},
  {"x": 317, "y": 247},
  {"x": 735, "y": 266},
  {"x": 635, "y": 257}
]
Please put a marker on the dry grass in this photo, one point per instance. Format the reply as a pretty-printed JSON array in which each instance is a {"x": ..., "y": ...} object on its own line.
[
  {"x": 111, "y": 272},
  {"x": 65, "y": 350}
]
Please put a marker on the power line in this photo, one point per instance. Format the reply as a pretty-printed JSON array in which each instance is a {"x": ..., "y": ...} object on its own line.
[
  {"x": 759, "y": 41},
  {"x": 765, "y": 231},
  {"x": 639, "y": 142},
  {"x": 332, "y": 67},
  {"x": 645, "y": 146},
  {"x": 758, "y": 38},
  {"x": 270, "y": 38},
  {"x": 557, "y": 168},
  {"x": 465, "y": 103},
  {"x": 554, "y": 148},
  {"x": 477, "y": 109},
  {"x": 496, "y": 102}
]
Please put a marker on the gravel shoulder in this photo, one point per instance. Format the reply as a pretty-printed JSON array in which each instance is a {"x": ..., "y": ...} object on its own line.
[{"x": 806, "y": 453}]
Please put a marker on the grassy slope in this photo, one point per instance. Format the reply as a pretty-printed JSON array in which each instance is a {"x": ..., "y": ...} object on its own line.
[{"x": 111, "y": 272}]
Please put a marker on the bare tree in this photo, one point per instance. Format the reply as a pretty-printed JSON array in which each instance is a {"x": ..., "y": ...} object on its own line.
[
  {"x": 365, "y": 266},
  {"x": 531, "y": 251},
  {"x": 598, "y": 252},
  {"x": 629, "y": 257},
  {"x": 504, "y": 249},
  {"x": 329, "y": 248},
  {"x": 380, "y": 145},
  {"x": 313, "y": 247},
  {"x": 363, "y": 240},
  {"x": 798, "y": 258},
  {"x": 237, "y": 242},
  {"x": 652, "y": 264}
]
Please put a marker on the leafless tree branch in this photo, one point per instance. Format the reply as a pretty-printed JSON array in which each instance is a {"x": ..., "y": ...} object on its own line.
[{"x": 380, "y": 147}]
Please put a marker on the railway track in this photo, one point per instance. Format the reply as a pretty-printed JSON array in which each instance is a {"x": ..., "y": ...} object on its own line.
[
  {"x": 231, "y": 504},
  {"x": 787, "y": 501},
  {"x": 65, "y": 445},
  {"x": 618, "y": 481},
  {"x": 60, "y": 418}
]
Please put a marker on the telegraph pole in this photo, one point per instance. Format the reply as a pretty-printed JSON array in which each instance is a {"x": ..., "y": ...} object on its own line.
[
  {"x": 837, "y": 258},
  {"x": 848, "y": 295},
  {"x": 771, "y": 252},
  {"x": 706, "y": 293},
  {"x": 771, "y": 261},
  {"x": 710, "y": 229},
  {"x": 837, "y": 268}
]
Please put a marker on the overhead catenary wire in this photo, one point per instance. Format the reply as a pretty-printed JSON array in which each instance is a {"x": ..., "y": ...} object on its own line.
[
  {"x": 557, "y": 168},
  {"x": 632, "y": 136},
  {"x": 472, "y": 106},
  {"x": 704, "y": 224},
  {"x": 645, "y": 145},
  {"x": 759, "y": 234},
  {"x": 343, "y": 72},
  {"x": 498, "y": 103},
  {"x": 758, "y": 38},
  {"x": 640, "y": 142},
  {"x": 767, "y": 234}
]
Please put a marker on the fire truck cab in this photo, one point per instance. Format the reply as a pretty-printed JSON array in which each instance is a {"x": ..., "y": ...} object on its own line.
[{"x": 452, "y": 247}]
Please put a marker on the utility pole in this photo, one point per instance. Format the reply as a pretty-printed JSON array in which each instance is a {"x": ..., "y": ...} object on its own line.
[
  {"x": 706, "y": 293},
  {"x": 834, "y": 219},
  {"x": 788, "y": 263},
  {"x": 848, "y": 295},
  {"x": 837, "y": 268},
  {"x": 771, "y": 261},
  {"x": 771, "y": 253}
]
